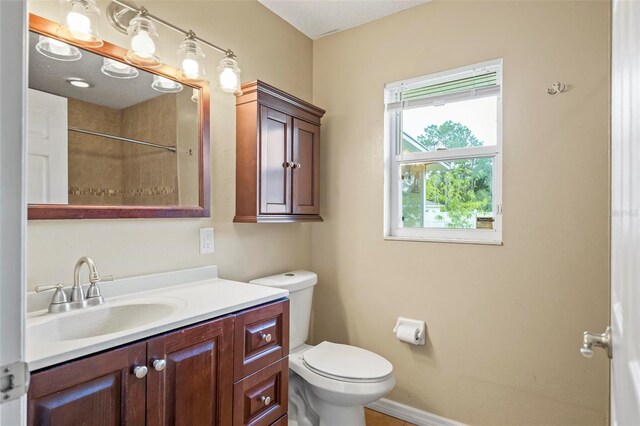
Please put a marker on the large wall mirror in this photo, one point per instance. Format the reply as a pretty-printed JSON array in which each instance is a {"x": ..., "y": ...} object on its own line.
[{"x": 108, "y": 140}]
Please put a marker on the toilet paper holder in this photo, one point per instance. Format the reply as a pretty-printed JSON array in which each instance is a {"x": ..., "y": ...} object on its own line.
[{"x": 417, "y": 328}]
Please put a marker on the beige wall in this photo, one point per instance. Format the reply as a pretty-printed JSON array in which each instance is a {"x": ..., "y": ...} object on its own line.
[
  {"x": 268, "y": 48},
  {"x": 504, "y": 323}
]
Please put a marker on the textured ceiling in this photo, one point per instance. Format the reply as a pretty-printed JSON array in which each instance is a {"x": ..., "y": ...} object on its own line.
[
  {"x": 49, "y": 75},
  {"x": 316, "y": 18}
]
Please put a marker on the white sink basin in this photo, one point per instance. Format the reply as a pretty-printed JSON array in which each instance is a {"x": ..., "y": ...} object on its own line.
[{"x": 98, "y": 321}]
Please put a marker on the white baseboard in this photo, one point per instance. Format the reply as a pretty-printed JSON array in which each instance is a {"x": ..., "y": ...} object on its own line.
[{"x": 410, "y": 414}]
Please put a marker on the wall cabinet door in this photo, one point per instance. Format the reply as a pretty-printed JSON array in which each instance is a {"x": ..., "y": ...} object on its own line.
[
  {"x": 98, "y": 390},
  {"x": 194, "y": 384},
  {"x": 306, "y": 161},
  {"x": 275, "y": 159}
]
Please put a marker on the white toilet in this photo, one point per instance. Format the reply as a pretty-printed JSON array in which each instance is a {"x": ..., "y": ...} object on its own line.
[{"x": 329, "y": 384}]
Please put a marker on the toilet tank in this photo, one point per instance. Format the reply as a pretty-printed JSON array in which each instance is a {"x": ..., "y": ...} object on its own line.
[{"x": 300, "y": 285}]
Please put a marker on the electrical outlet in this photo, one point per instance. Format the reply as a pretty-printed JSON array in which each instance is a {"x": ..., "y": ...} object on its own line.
[{"x": 206, "y": 240}]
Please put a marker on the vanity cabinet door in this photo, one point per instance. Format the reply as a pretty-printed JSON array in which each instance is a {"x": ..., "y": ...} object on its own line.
[
  {"x": 190, "y": 380},
  {"x": 306, "y": 164},
  {"x": 98, "y": 390}
]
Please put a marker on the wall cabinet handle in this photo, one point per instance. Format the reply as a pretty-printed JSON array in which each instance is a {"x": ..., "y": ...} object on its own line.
[
  {"x": 140, "y": 371},
  {"x": 159, "y": 364}
]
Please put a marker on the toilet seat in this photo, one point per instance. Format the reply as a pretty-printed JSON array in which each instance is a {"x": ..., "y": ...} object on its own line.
[{"x": 347, "y": 363}]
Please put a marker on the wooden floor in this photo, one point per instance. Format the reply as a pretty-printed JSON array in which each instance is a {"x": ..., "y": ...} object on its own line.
[{"x": 374, "y": 418}]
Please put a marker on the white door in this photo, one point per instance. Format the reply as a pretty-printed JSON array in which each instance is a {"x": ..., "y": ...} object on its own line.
[
  {"x": 12, "y": 207},
  {"x": 625, "y": 220},
  {"x": 47, "y": 147}
]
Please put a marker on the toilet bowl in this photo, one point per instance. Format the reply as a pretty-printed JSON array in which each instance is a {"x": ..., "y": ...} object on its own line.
[{"x": 330, "y": 383}]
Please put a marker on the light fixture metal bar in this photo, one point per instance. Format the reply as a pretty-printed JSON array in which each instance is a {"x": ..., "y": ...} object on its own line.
[
  {"x": 122, "y": 139},
  {"x": 146, "y": 13}
]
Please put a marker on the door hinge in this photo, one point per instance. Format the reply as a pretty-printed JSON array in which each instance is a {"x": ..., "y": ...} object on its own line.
[{"x": 14, "y": 381}]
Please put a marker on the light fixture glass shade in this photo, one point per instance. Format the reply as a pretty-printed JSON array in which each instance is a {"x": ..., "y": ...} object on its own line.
[
  {"x": 229, "y": 75},
  {"x": 191, "y": 61},
  {"x": 142, "y": 41},
  {"x": 117, "y": 69},
  {"x": 80, "y": 22},
  {"x": 56, "y": 49},
  {"x": 165, "y": 85}
]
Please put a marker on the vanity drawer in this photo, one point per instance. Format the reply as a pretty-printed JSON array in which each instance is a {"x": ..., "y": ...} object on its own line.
[
  {"x": 261, "y": 338},
  {"x": 261, "y": 399}
]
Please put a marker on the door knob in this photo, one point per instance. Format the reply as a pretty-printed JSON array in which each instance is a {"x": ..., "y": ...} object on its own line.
[
  {"x": 159, "y": 364},
  {"x": 140, "y": 371},
  {"x": 589, "y": 340}
]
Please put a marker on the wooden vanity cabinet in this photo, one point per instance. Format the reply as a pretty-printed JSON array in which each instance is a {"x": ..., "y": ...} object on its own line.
[
  {"x": 277, "y": 156},
  {"x": 191, "y": 378}
]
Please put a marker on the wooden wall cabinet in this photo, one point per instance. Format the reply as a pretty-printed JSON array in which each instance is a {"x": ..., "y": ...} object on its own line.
[
  {"x": 196, "y": 384},
  {"x": 277, "y": 156}
]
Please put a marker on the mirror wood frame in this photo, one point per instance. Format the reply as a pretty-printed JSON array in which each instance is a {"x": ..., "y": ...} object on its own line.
[{"x": 48, "y": 28}]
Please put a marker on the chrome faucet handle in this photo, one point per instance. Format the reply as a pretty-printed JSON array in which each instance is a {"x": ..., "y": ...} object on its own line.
[
  {"x": 94, "y": 296},
  {"x": 59, "y": 301},
  {"x": 58, "y": 297}
]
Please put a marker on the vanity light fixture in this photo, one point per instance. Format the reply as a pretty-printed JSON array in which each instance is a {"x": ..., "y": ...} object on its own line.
[
  {"x": 80, "y": 22},
  {"x": 117, "y": 69},
  {"x": 79, "y": 82},
  {"x": 190, "y": 54},
  {"x": 142, "y": 40},
  {"x": 165, "y": 85},
  {"x": 58, "y": 50},
  {"x": 191, "y": 59},
  {"x": 195, "y": 96},
  {"x": 229, "y": 74}
]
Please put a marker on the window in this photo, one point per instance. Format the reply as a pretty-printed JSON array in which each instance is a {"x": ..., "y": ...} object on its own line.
[{"x": 444, "y": 155}]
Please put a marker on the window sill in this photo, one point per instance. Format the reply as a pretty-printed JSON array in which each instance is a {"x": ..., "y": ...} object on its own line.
[{"x": 444, "y": 240}]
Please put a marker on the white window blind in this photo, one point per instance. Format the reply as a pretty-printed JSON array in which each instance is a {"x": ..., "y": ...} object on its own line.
[{"x": 483, "y": 81}]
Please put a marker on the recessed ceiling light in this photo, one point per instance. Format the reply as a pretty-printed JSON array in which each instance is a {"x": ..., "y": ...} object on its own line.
[{"x": 79, "y": 82}]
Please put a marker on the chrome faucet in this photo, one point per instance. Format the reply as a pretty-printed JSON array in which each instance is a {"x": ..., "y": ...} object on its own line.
[
  {"x": 60, "y": 302},
  {"x": 77, "y": 292}
]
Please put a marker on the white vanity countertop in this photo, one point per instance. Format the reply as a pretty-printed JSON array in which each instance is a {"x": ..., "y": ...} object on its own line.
[{"x": 188, "y": 297}]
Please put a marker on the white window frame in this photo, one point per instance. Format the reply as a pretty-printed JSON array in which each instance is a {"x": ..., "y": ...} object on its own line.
[{"x": 393, "y": 195}]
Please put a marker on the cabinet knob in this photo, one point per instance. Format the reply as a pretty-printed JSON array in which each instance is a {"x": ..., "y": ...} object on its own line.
[
  {"x": 292, "y": 165},
  {"x": 298, "y": 166},
  {"x": 266, "y": 400},
  {"x": 266, "y": 337},
  {"x": 140, "y": 371},
  {"x": 159, "y": 364}
]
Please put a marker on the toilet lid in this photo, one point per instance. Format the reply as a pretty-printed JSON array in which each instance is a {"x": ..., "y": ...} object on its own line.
[{"x": 348, "y": 363}]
